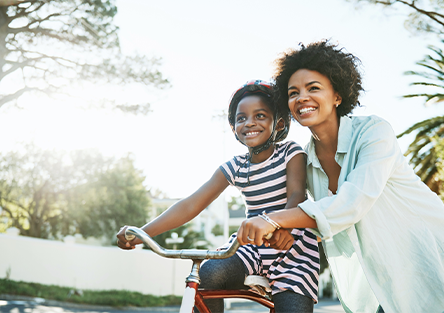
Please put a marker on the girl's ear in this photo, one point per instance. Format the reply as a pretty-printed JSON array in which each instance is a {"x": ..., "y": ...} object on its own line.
[{"x": 280, "y": 124}]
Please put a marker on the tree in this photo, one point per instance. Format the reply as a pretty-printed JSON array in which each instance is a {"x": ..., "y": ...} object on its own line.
[
  {"x": 439, "y": 148},
  {"x": 108, "y": 200},
  {"x": 50, "y": 45},
  {"x": 422, "y": 151},
  {"x": 51, "y": 194},
  {"x": 434, "y": 76},
  {"x": 424, "y": 16}
]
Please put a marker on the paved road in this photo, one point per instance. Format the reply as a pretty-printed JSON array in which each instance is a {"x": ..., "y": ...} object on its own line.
[{"x": 36, "y": 305}]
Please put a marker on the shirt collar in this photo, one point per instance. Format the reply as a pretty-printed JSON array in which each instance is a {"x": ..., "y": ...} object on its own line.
[
  {"x": 344, "y": 139},
  {"x": 345, "y": 134}
]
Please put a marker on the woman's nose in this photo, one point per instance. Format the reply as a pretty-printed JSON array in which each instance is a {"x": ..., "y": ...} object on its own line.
[{"x": 302, "y": 98}]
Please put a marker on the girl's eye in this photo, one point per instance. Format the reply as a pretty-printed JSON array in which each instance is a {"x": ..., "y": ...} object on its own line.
[
  {"x": 240, "y": 119},
  {"x": 260, "y": 115}
]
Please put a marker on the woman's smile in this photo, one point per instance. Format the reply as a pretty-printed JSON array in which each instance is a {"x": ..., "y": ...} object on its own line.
[{"x": 304, "y": 111}]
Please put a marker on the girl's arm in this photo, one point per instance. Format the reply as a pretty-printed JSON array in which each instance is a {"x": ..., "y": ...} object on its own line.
[
  {"x": 181, "y": 212},
  {"x": 296, "y": 181},
  {"x": 291, "y": 217}
]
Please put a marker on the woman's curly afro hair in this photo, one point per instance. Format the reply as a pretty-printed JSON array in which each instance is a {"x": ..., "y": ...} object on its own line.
[{"x": 340, "y": 67}]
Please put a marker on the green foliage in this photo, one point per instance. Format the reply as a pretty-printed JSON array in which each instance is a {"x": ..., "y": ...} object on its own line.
[
  {"x": 439, "y": 151},
  {"x": 57, "y": 44},
  {"x": 191, "y": 238},
  {"x": 217, "y": 230},
  {"x": 109, "y": 199},
  {"x": 110, "y": 297},
  {"x": 434, "y": 75},
  {"x": 51, "y": 194},
  {"x": 422, "y": 150}
]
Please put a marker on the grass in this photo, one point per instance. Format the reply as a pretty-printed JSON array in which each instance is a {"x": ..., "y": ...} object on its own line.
[{"x": 116, "y": 298}]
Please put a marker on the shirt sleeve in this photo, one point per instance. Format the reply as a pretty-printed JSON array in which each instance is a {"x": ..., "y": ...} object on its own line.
[
  {"x": 229, "y": 169},
  {"x": 292, "y": 149},
  {"x": 376, "y": 158}
]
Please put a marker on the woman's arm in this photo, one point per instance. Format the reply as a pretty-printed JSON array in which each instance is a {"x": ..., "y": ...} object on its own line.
[
  {"x": 377, "y": 154},
  {"x": 181, "y": 212}
]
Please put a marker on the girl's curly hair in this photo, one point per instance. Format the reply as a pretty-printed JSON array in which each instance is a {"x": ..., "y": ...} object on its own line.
[{"x": 340, "y": 67}]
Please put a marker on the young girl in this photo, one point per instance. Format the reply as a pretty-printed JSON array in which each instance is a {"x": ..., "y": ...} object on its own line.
[
  {"x": 381, "y": 227},
  {"x": 271, "y": 177}
]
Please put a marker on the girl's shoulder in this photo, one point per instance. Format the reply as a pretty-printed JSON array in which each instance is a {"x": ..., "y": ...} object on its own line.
[{"x": 289, "y": 147}]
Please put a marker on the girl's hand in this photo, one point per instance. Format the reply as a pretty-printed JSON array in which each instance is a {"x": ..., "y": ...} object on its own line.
[
  {"x": 124, "y": 244},
  {"x": 253, "y": 230},
  {"x": 282, "y": 239}
]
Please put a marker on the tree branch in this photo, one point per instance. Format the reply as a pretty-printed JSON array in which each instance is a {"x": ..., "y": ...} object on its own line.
[
  {"x": 429, "y": 14},
  {"x": 15, "y": 95}
]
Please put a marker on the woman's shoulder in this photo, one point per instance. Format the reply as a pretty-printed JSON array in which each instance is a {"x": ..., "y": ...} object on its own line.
[
  {"x": 371, "y": 126},
  {"x": 367, "y": 120}
]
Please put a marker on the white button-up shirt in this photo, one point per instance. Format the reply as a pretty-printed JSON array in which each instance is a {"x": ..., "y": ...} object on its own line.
[{"x": 383, "y": 232}]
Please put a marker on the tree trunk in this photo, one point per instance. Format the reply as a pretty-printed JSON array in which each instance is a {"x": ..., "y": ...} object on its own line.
[{"x": 4, "y": 21}]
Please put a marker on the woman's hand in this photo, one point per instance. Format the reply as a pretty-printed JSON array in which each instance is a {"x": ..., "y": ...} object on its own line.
[
  {"x": 253, "y": 231},
  {"x": 124, "y": 244},
  {"x": 282, "y": 239}
]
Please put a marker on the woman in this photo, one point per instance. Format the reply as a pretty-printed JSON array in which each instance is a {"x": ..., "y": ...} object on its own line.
[{"x": 381, "y": 227}]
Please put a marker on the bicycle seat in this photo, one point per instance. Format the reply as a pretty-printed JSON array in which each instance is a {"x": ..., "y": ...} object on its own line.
[{"x": 259, "y": 284}]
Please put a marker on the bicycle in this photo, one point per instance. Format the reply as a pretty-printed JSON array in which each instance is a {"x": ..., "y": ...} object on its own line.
[{"x": 193, "y": 296}]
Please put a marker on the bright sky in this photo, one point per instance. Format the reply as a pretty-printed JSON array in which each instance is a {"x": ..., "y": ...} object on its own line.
[{"x": 209, "y": 49}]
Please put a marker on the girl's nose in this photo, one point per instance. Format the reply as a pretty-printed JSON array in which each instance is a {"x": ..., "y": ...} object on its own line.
[{"x": 251, "y": 122}]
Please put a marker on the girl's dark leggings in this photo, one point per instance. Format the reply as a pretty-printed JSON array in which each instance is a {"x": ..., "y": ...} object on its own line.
[{"x": 230, "y": 274}]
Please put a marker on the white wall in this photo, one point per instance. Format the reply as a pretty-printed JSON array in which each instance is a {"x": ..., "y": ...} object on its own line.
[{"x": 90, "y": 267}]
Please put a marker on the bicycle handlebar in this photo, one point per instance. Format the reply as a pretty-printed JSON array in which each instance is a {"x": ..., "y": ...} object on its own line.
[{"x": 196, "y": 254}]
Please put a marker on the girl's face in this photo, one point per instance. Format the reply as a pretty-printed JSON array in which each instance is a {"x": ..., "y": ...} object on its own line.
[
  {"x": 312, "y": 99},
  {"x": 254, "y": 121}
]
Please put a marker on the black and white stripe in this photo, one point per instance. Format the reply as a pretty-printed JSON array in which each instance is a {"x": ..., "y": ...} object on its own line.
[{"x": 263, "y": 187}]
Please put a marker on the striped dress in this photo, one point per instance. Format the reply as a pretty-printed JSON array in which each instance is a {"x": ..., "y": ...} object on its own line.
[{"x": 263, "y": 187}]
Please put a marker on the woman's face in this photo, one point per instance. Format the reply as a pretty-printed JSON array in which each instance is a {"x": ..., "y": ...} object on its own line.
[{"x": 312, "y": 99}]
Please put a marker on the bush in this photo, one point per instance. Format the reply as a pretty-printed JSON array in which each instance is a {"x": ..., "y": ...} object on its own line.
[{"x": 116, "y": 298}]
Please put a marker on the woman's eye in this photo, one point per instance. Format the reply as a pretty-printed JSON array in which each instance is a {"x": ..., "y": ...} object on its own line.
[
  {"x": 292, "y": 94},
  {"x": 314, "y": 88}
]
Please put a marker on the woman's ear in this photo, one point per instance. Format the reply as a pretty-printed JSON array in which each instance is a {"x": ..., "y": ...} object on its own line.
[{"x": 338, "y": 100}]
